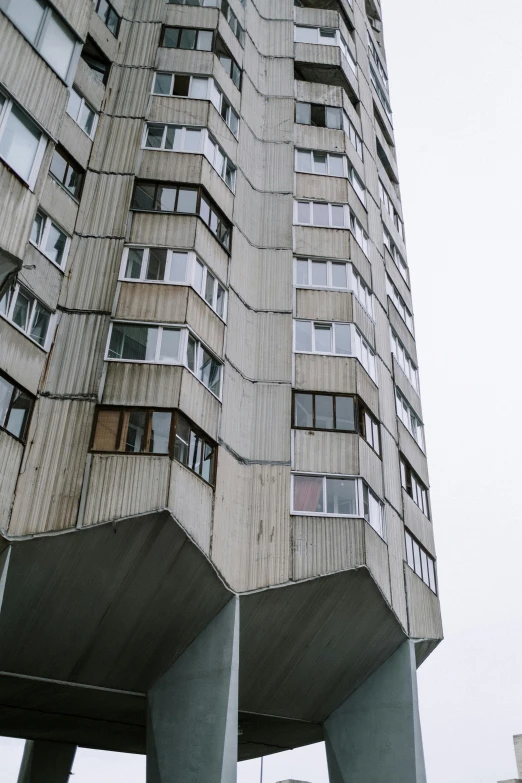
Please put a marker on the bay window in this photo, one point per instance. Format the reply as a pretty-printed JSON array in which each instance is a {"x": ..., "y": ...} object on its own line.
[
  {"x": 22, "y": 143},
  {"x": 336, "y": 275},
  {"x": 321, "y": 116},
  {"x": 327, "y": 36},
  {"x": 414, "y": 487},
  {"x": 327, "y": 215},
  {"x": 409, "y": 418},
  {"x": 336, "y": 413},
  {"x": 27, "y": 313},
  {"x": 330, "y": 164},
  {"x": 335, "y": 339}
]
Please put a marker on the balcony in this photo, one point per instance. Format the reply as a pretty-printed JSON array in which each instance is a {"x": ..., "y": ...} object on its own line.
[{"x": 322, "y": 55}]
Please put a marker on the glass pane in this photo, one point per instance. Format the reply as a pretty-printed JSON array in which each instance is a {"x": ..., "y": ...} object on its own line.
[
  {"x": 86, "y": 119},
  {"x": 195, "y": 452},
  {"x": 21, "y": 406},
  {"x": 341, "y": 496},
  {"x": 207, "y": 470},
  {"x": 6, "y": 392},
  {"x": 334, "y": 117},
  {"x": 220, "y": 303},
  {"x": 320, "y": 163},
  {"x": 301, "y": 271},
  {"x": 19, "y": 143},
  {"x": 57, "y": 45},
  {"x": 173, "y": 138},
  {"x": 339, "y": 276},
  {"x": 27, "y": 16},
  {"x": 198, "y": 276},
  {"x": 133, "y": 342},
  {"x": 336, "y": 165},
  {"x": 112, "y": 21},
  {"x": 55, "y": 244},
  {"x": 181, "y": 440},
  {"x": 303, "y": 336},
  {"x": 191, "y": 353},
  {"x": 425, "y": 573},
  {"x": 409, "y": 551},
  {"x": 134, "y": 263},
  {"x": 21, "y": 311},
  {"x": 417, "y": 560},
  {"x": 40, "y": 325},
  {"x": 156, "y": 265},
  {"x": 199, "y": 88},
  {"x": 187, "y": 39},
  {"x": 321, "y": 214},
  {"x": 324, "y": 419},
  {"x": 165, "y": 199},
  {"x": 304, "y": 410},
  {"x": 134, "y": 440},
  {"x": 318, "y": 116},
  {"x": 192, "y": 141},
  {"x": 169, "y": 350},
  {"x": 187, "y": 201},
  {"x": 37, "y": 228},
  {"x": 162, "y": 83},
  {"x": 376, "y": 514},
  {"x": 210, "y": 372},
  {"x": 303, "y": 212},
  {"x": 178, "y": 267},
  {"x": 144, "y": 197},
  {"x": 431, "y": 570},
  {"x": 154, "y": 136},
  {"x": 345, "y": 414},
  {"x": 308, "y": 494},
  {"x": 209, "y": 288},
  {"x": 181, "y": 85},
  {"x": 205, "y": 41},
  {"x": 303, "y": 113},
  {"x": 343, "y": 339},
  {"x": 305, "y": 34},
  {"x": 304, "y": 161},
  {"x": 337, "y": 215},
  {"x": 233, "y": 121},
  {"x": 73, "y": 180},
  {"x": 319, "y": 273},
  {"x": 74, "y": 104},
  {"x": 160, "y": 432},
  {"x": 323, "y": 338}
]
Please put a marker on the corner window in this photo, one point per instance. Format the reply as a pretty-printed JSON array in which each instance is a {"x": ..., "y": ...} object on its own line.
[
  {"x": 27, "y": 313},
  {"x": 108, "y": 15},
  {"x": 336, "y": 275},
  {"x": 22, "y": 143},
  {"x": 337, "y": 496},
  {"x": 83, "y": 114},
  {"x": 16, "y": 406},
  {"x": 336, "y": 339},
  {"x": 399, "y": 303},
  {"x": 414, "y": 487},
  {"x": 420, "y": 561},
  {"x": 48, "y": 237}
]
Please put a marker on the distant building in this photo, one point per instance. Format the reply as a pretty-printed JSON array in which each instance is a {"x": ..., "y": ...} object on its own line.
[{"x": 517, "y": 742}]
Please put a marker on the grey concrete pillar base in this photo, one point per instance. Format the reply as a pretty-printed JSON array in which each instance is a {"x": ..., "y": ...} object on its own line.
[
  {"x": 192, "y": 709},
  {"x": 46, "y": 762},
  {"x": 375, "y": 735}
]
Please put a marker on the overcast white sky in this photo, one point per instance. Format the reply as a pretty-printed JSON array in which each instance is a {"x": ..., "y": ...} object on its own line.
[{"x": 456, "y": 87}]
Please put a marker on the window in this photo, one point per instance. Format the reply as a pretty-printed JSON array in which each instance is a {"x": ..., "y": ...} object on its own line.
[
  {"x": 399, "y": 303},
  {"x": 409, "y": 418},
  {"x": 328, "y": 163},
  {"x": 27, "y": 313},
  {"x": 328, "y": 117},
  {"x": 147, "y": 431},
  {"x": 93, "y": 56},
  {"x": 156, "y": 197},
  {"x": 420, "y": 561},
  {"x": 404, "y": 360},
  {"x": 67, "y": 172},
  {"x": 227, "y": 61},
  {"x": 158, "y": 344},
  {"x": 323, "y": 273},
  {"x": 414, "y": 487},
  {"x": 16, "y": 406},
  {"x": 233, "y": 21},
  {"x": 181, "y": 138},
  {"x": 83, "y": 114},
  {"x": 398, "y": 260},
  {"x": 159, "y": 264},
  {"x": 22, "y": 143},
  {"x": 199, "y": 87},
  {"x": 336, "y": 339},
  {"x": 45, "y": 30},
  {"x": 375, "y": 56},
  {"x": 321, "y": 213},
  {"x": 327, "y": 36},
  {"x": 48, "y": 237},
  {"x": 107, "y": 13},
  {"x": 187, "y": 38},
  {"x": 381, "y": 93},
  {"x": 337, "y": 496},
  {"x": 335, "y": 412},
  {"x": 388, "y": 205}
]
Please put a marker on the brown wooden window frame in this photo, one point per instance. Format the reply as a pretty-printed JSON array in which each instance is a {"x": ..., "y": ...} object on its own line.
[{"x": 178, "y": 419}]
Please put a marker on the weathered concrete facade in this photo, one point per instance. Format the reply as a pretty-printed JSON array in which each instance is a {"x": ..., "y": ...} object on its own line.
[{"x": 208, "y": 370}]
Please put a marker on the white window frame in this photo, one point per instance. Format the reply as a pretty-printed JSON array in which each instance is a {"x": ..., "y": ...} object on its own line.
[
  {"x": 182, "y": 360},
  {"x": 336, "y": 40},
  {"x": 48, "y": 222},
  {"x": 410, "y": 419},
  {"x": 190, "y": 274},
  {"x": 83, "y": 103},
  {"x": 5, "y": 111},
  {"x": 359, "y": 495},
  {"x": 391, "y": 210},
  {"x": 354, "y": 281},
  {"x": 400, "y": 304},
  {"x": 348, "y": 170},
  {"x": 8, "y": 316},
  {"x": 206, "y": 140},
  {"x": 404, "y": 360},
  {"x": 350, "y": 221},
  {"x": 361, "y": 349}
]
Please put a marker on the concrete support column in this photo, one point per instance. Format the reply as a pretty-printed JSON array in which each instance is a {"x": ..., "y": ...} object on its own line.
[
  {"x": 192, "y": 709},
  {"x": 375, "y": 735},
  {"x": 46, "y": 762}
]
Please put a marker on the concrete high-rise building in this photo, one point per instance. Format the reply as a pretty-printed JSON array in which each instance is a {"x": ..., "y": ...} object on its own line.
[
  {"x": 216, "y": 539},
  {"x": 517, "y": 742}
]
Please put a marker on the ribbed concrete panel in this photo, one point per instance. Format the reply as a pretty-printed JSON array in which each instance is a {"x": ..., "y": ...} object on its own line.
[
  {"x": 382, "y": 334},
  {"x": 187, "y": 16},
  {"x": 73, "y": 138},
  {"x": 397, "y": 554},
  {"x": 17, "y": 206},
  {"x": 316, "y": 17},
  {"x": 251, "y": 535},
  {"x": 45, "y": 279},
  {"x": 142, "y": 384},
  {"x": 418, "y": 524},
  {"x": 265, "y": 219},
  {"x": 370, "y": 467},
  {"x": 270, "y": 77},
  {"x": 183, "y": 111},
  {"x": 11, "y": 452},
  {"x": 191, "y": 500},
  {"x": 326, "y": 452},
  {"x": 269, "y": 36},
  {"x": 155, "y": 302},
  {"x": 128, "y": 91},
  {"x": 59, "y": 204},
  {"x": 77, "y": 359},
  {"x": 322, "y": 242},
  {"x": 387, "y": 406},
  {"x": 325, "y": 373},
  {"x": 151, "y": 11},
  {"x": 44, "y": 95},
  {"x": 397, "y": 279},
  {"x": 269, "y": 9},
  {"x": 270, "y": 119},
  {"x": 49, "y": 487},
  {"x": 163, "y": 230},
  {"x": 92, "y": 271},
  {"x": 365, "y": 323},
  {"x": 124, "y": 484},
  {"x": 413, "y": 453},
  {"x": 259, "y": 345},
  {"x": 323, "y": 545},
  {"x": 423, "y": 608},
  {"x": 104, "y": 205},
  {"x": 199, "y": 404},
  {"x": 101, "y": 35},
  {"x": 255, "y": 420},
  {"x": 309, "y": 137},
  {"x": 266, "y": 166},
  {"x": 312, "y": 92},
  {"x": 391, "y": 470},
  {"x": 262, "y": 278},
  {"x": 20, "y": 358},
  {"x": 138, "y": 44},
  {"x": 170, "y": 166},
  {"x": 377, "y": 560},
  {"x": 332, "y": 189},
  {"x": 88, "y": 85},
  {"x": 116, "y": 145},
  {"x": 366, "y": 388},
  {"x": 324, "y": 305},
  {"x": 77, "y": 14}
]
